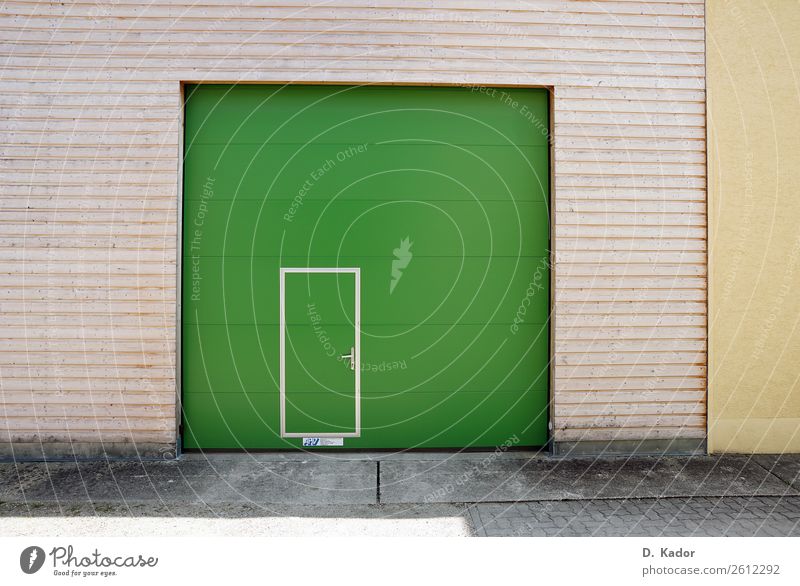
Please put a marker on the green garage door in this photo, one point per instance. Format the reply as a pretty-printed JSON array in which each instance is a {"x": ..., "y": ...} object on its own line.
[{"x": 365, "y": 267}]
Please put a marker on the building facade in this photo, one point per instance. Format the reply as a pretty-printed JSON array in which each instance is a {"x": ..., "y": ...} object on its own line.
[
  {"x": 124, "y": 123},
  {"x": 754, "y": 352}
]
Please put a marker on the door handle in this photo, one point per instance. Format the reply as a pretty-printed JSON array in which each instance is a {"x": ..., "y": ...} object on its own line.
[{"x": 350, "y": 357}]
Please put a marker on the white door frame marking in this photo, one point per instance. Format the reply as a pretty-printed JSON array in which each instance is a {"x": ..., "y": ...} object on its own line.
[{"x": 356, "y": 271}]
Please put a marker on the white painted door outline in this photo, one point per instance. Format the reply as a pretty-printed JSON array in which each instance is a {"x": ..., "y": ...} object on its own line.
[{"x": 356, "y": 358}]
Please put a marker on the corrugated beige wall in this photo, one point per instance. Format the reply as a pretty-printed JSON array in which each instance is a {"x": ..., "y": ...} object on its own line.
[
  {"x": 90, "y": 141},
  {"x": 754, "y": 191}
]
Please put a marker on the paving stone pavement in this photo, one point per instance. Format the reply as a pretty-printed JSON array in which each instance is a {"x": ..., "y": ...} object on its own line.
[
  {"x": 671, "y": 517},
  {"x": 444, "y": 494},
  {"x": 233, "y": 519}
]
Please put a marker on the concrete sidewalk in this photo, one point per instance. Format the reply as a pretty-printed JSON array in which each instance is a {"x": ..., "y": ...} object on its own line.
[{"x": 510, "y": 493}]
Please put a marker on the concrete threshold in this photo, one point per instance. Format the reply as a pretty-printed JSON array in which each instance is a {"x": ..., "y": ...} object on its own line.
[
  {"x": 323, "y": 478},
  {"x": 366, "y": 456}
]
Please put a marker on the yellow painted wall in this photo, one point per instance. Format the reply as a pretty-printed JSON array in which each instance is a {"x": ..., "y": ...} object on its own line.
[{"x": 753, "y": 82}]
